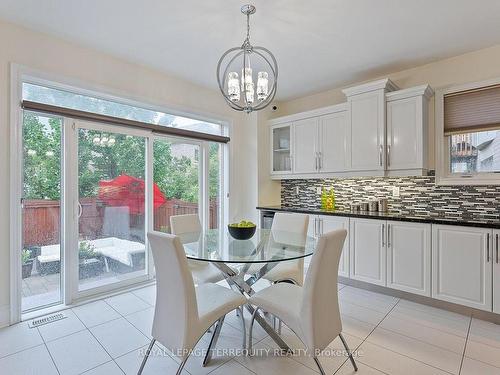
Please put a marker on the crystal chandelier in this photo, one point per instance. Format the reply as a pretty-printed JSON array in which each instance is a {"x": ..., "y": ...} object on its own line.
[{"x": 240, "y": 91}]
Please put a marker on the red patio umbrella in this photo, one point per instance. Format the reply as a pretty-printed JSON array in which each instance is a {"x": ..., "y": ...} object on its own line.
[{"x": 129, "y": 191}]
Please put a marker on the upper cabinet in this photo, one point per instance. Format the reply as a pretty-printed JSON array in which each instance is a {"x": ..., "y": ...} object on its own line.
[
  {"x": 380, "y": 131},
  {"x": 407, "y": 124},
  {"x": 281, "y": 149},
  {"x": 319, "y": 143},
  {"x": 366, "y": 117},
  {"x": 305, "y": 145}
]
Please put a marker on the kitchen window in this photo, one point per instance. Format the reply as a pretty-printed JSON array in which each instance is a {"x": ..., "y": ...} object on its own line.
[{"x": 468, "y": 134}]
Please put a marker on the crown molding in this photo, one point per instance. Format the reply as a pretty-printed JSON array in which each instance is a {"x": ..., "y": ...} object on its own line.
[
  {"x": 424, "y": 90},
  {"x": 382, "y": 84}
]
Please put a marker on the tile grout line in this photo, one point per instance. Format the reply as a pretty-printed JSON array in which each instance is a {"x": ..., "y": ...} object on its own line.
[
  {"x": 48, "y": 351},
  {"x": 95, "y": 338},
  {"x": 374, "y": 328},
  {"x": 404, "y": 355},
  {"x": 465, "y": 346}
]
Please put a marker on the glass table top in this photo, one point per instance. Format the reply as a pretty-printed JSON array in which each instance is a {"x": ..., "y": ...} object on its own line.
[{"x": 217, "y": 245}]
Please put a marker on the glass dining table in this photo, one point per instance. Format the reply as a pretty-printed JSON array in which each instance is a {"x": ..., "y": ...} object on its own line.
[{"x": 244, "y": 262}]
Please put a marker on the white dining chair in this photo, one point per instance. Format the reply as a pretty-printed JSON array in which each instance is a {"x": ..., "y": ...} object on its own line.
[
  {"x": 184, "y": 313},
  {"x": 203, "y": 272},
  {"x": 290, "y": 271},
  {"x": 312, "y": 311}
]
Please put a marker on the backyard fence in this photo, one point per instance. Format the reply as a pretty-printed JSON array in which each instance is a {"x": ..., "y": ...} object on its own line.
[{"x": 42, "y": 220}]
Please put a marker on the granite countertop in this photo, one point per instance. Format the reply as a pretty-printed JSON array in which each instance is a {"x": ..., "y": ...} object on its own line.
[{"x": 396, "y": 216}]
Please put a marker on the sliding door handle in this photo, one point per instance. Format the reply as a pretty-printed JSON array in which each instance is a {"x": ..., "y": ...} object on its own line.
[
  {"x": 388, "y": 155},
  {"x": 380, "y": 152}
]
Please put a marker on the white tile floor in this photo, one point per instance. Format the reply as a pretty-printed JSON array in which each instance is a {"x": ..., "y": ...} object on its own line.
[{"x": 391, "y": 336}]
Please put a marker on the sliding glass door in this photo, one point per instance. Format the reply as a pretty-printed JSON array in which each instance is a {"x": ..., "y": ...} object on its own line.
[
  {"x": 111, "y": 205},
  {"x": 90, "y": 192},
  {"x": 41, "y": 255}
]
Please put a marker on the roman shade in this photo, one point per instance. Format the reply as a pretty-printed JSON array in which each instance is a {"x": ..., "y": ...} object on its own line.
[{"x": 472, "y": 110}]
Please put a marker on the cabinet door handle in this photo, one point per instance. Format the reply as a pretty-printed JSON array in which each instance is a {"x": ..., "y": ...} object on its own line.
[
  {"x": 496, "y": 239},
  {"x": 388, "y": 235},
  {"x": 380, "y": 151},
  {"x": 388, "y": 155},
  {"x": 321, "y": 226},
  {"x": 487, "y": 247},
  {"x": 316, "y": 161},
  {"x": 320, "y": 160},
  {"x": 383, "y": 235}
]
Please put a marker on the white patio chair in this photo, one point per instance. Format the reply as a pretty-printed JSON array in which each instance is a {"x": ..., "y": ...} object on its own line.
[
  {"x": 312, "y": 311},
  {"x": 184, "y": 313}
]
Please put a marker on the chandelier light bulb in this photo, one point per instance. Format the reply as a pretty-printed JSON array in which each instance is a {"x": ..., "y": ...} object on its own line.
[
  {"x": 249, "y": 92},
  {"x": 262, "y": 85},
  {"x": 233, "y": 87}
]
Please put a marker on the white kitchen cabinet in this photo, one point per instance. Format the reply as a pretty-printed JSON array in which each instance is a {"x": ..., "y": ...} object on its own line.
[
  {"x": 368, "y": 250},
  {"x": 462, "y": 265},
  {"x": 305, "y": 146},
  {"x": 407, "y": 130},
  {"x": 334, "y": 143},
  {"x": 496, "y": 271},
  {"x": 367, "y": 117},
  {"x": 320, "y": 224},
  {"x": 281, "y": 149},
  {"x": 409, "y": 257},
  {"x": 329, "y": 223}
]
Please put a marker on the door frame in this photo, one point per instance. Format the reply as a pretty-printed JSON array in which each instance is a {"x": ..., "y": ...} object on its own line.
[{"x": 19, "y": 74}]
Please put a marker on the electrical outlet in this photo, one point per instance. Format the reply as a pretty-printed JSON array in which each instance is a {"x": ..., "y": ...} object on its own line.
[
  {"x": 395, "y": 191},
  {"x": 318, "y": 190},
  {"x": 297, "y": 190}
]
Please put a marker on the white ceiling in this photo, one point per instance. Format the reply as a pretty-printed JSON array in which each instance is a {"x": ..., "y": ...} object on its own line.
[{"x": 319, "y": 44}]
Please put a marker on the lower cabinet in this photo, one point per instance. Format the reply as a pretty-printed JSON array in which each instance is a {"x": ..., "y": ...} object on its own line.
[
  {"x": 462, "y": 265},
  {"x": 368, "y": 251},
  {"x": 496, "y": 272},
  {"x": 329, "y": 223},
  {"x": 451, "y": 263},
  {"x": 323, "y": 224},
  {"x": 409, "y": 257}
]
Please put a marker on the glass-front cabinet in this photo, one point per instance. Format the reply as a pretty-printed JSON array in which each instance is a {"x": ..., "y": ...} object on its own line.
[{"x": 281, "y": 153}]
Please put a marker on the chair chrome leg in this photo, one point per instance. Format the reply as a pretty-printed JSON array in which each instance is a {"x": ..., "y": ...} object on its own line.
[
  {"x": 181, "y": 366},
  {"x": 348, "y": 351},
  {"x": 213, "y": 341},
  {"x": 242, "y": 317},
  {"x": 146, "y": 356},
  {"x": 250, "y": 331},
  {"x": 321, "y": 371}
]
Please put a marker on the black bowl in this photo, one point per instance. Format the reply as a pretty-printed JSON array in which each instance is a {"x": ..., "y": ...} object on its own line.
[{"x": 243, "y": 233}]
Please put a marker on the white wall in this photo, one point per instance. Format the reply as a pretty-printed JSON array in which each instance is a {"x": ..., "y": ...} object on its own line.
[{"x": 59, "y": 57}]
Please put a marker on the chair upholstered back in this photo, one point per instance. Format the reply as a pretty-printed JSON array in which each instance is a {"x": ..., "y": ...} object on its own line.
[
  {"x": 320, "y": 313},
  {"x": 176, "y": 311},
  {"x": 180, "y": 224},
  {"x": 291, "y": 229},
  {"x": 295, "y": 223}
]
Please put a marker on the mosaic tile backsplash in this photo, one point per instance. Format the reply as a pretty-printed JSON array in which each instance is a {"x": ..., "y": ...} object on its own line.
[{"x": 419, "y": 196}]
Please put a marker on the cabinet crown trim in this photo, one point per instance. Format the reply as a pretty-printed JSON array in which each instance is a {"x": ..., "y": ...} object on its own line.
[
  {"x": 382, "y": 84},
  {"x": 425, "y": 90},
  {"x": 308, "y": 114}
]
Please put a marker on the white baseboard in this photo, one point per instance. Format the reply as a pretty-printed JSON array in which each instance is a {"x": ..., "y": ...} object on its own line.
[{"x": 4, "y": 316}]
